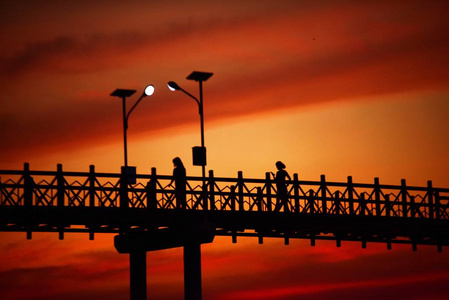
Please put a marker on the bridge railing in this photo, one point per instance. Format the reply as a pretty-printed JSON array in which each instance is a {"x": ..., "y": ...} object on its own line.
[{"x": 152, "y": 191}]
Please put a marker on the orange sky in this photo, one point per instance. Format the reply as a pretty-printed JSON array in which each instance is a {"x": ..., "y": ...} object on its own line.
[{"x": 328, "y": 87}]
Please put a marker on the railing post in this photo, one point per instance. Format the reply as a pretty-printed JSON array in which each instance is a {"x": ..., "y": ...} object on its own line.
[
  {"x": 412, "y": 207},
  {"x": 362, "y": 204},
  {"x": 151, "y": 190},
  {"x": 60, "y": 194},
  {"x": 404, "y": 198},
  {"x": 377, "y": 196},
  {"x": 350, "y": 195},
  {"x": 437, "y": 205},
  {"x": 268, "y": 187},
  {"x": 311, "y": 201},
  {"x": 28, "y": 186},
  {"x": 212, "y": 190},
  {"x": 323, "y": 188},
  {"x": 430, "y": 199},
  {"x": 92, "y": 186},
  {"x": 232, "y": 196},
  {"x": 438, "y": 215},
  {"x": 205, "y": 196},
  {"x": 27, "y": 193},
  {"x": 388, "y": 207},
  {"x": 296, "y": 191},
  {"x": 259, "y": 199},
  {"x": 124, "y": 201},
  {"x": 240, "y": 186},
  {"x": 60, "y": 186},
  {"x": 337, "y": 203}
]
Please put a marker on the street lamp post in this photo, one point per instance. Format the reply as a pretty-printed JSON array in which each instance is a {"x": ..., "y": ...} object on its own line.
[{"x": 192, "y": 249}]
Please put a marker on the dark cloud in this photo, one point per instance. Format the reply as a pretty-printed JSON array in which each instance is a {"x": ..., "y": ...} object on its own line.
[{"x": 68, "y": 54}]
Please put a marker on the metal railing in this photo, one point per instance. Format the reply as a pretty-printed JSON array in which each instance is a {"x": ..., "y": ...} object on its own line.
[{"x": 152, "y": 191}]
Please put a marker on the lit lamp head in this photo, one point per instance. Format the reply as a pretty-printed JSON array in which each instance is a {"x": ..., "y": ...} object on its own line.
[
  {"x": 173, "y": 86},
  {"x": 149, "y": 90}
]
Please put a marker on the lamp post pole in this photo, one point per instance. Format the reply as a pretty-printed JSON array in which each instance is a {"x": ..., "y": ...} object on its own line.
[
  {"x": 203, "y": 167},
  {"x": 125, "y": 127}
]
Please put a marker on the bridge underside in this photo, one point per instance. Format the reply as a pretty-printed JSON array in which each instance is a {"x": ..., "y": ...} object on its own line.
[{"x": 283, "y": 225}]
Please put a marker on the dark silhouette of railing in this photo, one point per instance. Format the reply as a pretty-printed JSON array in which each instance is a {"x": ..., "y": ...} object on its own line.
[{"x": 104, "y": 202}]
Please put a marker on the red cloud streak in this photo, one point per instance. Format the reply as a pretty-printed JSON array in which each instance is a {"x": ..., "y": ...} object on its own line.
[{"x": 262, "y": 62}]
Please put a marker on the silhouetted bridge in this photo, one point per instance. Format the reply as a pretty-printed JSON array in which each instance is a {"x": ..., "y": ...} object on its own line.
[{"x": 143, "y": 210}]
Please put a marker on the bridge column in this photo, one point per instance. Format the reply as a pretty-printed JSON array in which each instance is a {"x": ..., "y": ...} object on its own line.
[
  {"x": 192, "y": 271},
  {"x": 138, "y": 274}
]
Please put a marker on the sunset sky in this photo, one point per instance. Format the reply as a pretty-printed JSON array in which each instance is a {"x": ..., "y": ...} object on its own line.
[{"x": 339, "y": 88}]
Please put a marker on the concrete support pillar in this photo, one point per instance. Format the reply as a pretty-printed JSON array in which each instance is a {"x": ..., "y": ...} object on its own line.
[
  {"x": 192, "y": 271},
  {"x": 138, "y": 275}
]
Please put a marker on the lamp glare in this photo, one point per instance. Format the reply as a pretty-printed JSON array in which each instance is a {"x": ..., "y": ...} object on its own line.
[
  {"x": 173, "y": 86},
  {"x": 149, "y": 90}
]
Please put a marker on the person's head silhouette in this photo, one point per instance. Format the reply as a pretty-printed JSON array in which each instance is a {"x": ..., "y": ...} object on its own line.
[
  {"x": 177, "y": 162},
  {"x": 280, "y": 165}
]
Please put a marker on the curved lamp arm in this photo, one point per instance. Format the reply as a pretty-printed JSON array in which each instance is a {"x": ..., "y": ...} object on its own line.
[
  {"x": 173, "y": 86},
  {"x": 149, "y": 90}
]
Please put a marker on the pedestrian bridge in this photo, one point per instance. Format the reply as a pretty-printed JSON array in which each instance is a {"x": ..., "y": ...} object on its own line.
[{"x": 94, "y": 202}]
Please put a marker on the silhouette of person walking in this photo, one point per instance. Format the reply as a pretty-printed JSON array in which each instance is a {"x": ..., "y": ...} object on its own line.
[
  {"x": 281, "y": 186},
  {"x": 179, "y": 177}
]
